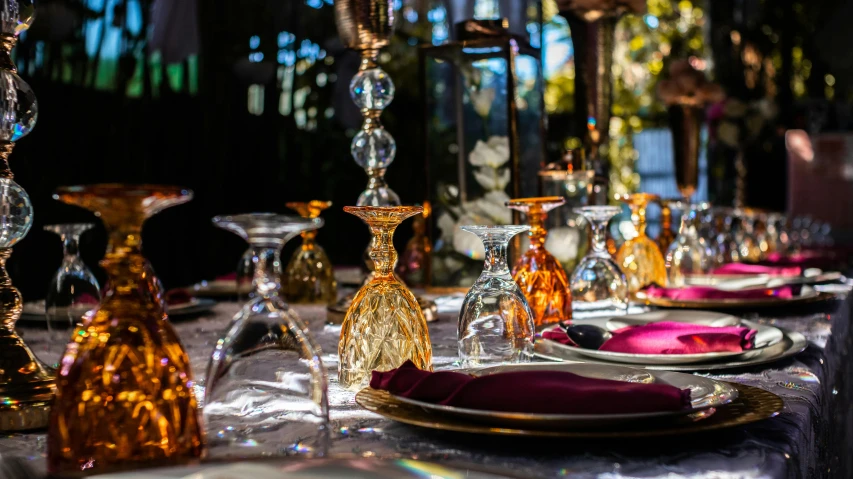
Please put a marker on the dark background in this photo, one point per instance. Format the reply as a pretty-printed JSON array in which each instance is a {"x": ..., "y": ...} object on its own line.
[{"x": 238, "y": 162}]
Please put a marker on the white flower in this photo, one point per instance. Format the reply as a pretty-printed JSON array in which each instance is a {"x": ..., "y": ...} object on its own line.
[
  {"x": 492, "y": 206},
  {"x": 491, "y": 179},
  {"x": 482, "y": 100},
  {"x": 468, "y": 243},
  {"x": 445, "y": 224},
  {"x": 493, "y": 153},
  {"x": 563, "y": 242}
]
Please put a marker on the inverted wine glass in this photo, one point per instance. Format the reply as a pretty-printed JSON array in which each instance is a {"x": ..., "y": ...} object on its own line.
[
  {"x": 598, "y": 284},
  {"x": 537, "y": 272},
  {"x": 73, "y": 290},
  {"x": 309, "y": 277},
  {"x": 266, "y": 387},
  {"x": 496, "y": 322},
  {"x": 749, "y": 247},
  {"x": 384, "y": 326},
  {"x": 124, "y": 390},
  {"x": 688, "y": 254},
  {"x": 639, "y": 257},
  {"x": 725, "y": 243}
]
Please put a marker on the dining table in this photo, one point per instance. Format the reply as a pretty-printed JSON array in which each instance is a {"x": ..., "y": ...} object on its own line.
[{"x": 811, "y": 438}]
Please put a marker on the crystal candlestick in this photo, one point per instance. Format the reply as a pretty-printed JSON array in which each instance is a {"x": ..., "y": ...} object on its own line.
[
  {"x": 639, "y": 257},
  {"x": 597, "y": 283},
  {"x": 384, "y": 327},
  {"x": 26, "y": 385},
  {"x": 539, "y": 275},
  {"x": 266, "y": 389},
  {"x": 309, "y": 277},
  {"x": 124, "y": 395},
  {"x": 366, "y": 26},
  {"x": 495, "y": 323}
]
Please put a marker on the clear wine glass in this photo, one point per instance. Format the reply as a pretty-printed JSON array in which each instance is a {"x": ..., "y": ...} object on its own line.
[
  {"x": 725, "y": 243},
  {"x": 73, "y": 290},
  {"x": 597, "y": 283},
  {"x": 266, "y": 387},
  {"x": 687, "y": 255},
  {"x": 495, "y": 323}
]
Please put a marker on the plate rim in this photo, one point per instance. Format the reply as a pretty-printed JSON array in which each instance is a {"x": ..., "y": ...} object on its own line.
[
  {"x": 799, "y": 343},
  {"x": 731, "y": 303},
  {"x": 746, "y": 391}
]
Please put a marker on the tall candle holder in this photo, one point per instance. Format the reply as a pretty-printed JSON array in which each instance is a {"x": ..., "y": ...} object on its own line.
[
  {"x": 27, "y": 386},
  {"x": 366, "y": 26}
]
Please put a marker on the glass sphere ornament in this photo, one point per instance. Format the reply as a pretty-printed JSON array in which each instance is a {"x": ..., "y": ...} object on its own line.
[
  {"x": 19, "y": 106},
  {"x": 374, "y": 148},
  {"x": 16, "y": 213},
  {"x": 372, "y": 89},
  {"x": 16, "y": 16}
]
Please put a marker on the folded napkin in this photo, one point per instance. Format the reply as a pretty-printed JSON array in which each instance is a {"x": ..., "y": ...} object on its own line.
[
  {"x": 178, "y": 296},
  {"x": 743, "y": 268},
  {"x": 227, "y": 277},
  {"x": 669, "y": 337},
  {"x": 806, "y": 258},
  {"x": 701, "y": 292},
  {"x": 538, "y": 392}
]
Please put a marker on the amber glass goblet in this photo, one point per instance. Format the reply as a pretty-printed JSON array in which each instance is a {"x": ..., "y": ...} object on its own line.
[
  {"x": 540, "y": 276},
  {"x": 639, "y": 257},
  {"x": 124, "y": 394},
  {"x": 309, "y": 277},
  {"x": 666, "y": 235},
  {"x": 384, "y": 326}
]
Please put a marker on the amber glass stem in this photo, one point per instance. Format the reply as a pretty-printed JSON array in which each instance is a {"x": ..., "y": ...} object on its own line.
[
  {"x": 266, "y": 281},
  {"x": 382, "y": 250},
  {"x": 639, "y": 218},
  {"x": 536, "y": 217},
  {"x": 308, "y": 239}
]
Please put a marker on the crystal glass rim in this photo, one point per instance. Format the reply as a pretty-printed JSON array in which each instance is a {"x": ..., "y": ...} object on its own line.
[
  {"x": 287, "y": 223},
  {"x": 514, "y": 229},
  {"x": 125, "y": 190},
  {"x": 537, "y": 200},
  {"x": 380, "y": 209},
  {"x": 598, "y": 210},
  {"x": 58, "y": 228}
]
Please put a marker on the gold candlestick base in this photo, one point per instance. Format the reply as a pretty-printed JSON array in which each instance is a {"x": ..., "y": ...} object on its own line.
[{"x": 27, "y": 386}]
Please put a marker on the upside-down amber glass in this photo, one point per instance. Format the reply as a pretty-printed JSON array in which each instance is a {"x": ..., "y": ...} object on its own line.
[
  {"x": 539, "y": 275},
  {"x": 309, "y": 277},
  {"x": 124, "y": 387},
  {"x": 384, "y": 326},
  {"x": 666, "y": 236},
  {"x": 639, "y": 257}
]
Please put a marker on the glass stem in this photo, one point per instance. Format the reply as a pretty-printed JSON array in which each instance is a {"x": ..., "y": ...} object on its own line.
[
  {"x": 496, "y": 254},
  {"x": 599, "y": 238},
  {"x": 70, "y": 246},
  {"x": 266, "y": 281},
  {"x": 382, "y": 251}
]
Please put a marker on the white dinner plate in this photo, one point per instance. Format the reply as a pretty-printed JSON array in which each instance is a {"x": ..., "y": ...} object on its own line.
[
  {"x": 766, "y": 337},
  {"x": 792, "y": 344},
  {"x": 705, "y": 394}
]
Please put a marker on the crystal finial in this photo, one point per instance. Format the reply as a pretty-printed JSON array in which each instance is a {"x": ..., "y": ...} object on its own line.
[
  {"x": 16, "y": 213},
  {"x": 374, "y": 148},
  {"x": 19, "y": 106},
  {"x": 372, "y": 89},
  {"x": 16, "y": 16}
]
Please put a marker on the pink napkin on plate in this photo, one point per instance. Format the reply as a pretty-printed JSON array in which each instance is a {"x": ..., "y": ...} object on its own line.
[
  {"x": 702, "y": 292},
  {"x": 178, "y": 296},
  {"x": 538, "y": 392},
  {"x": 743, "y": 268},
  {"x": 669, "y": 337}
]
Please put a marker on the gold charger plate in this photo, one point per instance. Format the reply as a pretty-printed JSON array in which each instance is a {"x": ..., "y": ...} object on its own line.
[
  {"x": 770, "y": 302},
  {"x": 752, "y": 405}
]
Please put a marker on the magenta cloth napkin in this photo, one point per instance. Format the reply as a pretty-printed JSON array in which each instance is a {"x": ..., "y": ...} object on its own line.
[
  {"x": 806, "y": 258},
  {"x": 700, "y": 292},
  {"x": 538, "y": 392},
  {"x": 668, "y": 337},
  {"x": 743, "y": 268}
]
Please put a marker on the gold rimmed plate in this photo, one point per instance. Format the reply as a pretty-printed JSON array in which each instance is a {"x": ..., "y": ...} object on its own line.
[
  {"x": 807, "y": 297},
  {"x": 752, "y": 405},
  {"x": 705, "y": 394}
]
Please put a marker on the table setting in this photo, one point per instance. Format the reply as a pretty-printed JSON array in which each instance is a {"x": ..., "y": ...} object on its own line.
[{"x": 716, "y": 347}]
